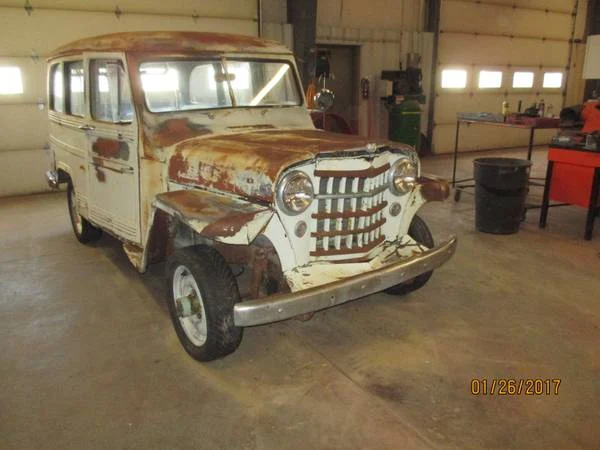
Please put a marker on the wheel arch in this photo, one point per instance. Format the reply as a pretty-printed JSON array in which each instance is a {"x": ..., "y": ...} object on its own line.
[
  {"x": 169, "y": 232},
  {"x": 64, "y": 175}
]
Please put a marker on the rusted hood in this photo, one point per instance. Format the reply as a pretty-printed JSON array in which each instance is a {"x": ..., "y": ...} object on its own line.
[{"x": 249, "y": 164}]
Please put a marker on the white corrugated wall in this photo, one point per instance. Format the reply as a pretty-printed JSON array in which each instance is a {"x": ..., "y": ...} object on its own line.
[{"x": 28, "y": 35}]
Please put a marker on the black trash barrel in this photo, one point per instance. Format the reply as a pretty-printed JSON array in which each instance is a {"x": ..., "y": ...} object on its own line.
[{"x": 501, "y": 186}]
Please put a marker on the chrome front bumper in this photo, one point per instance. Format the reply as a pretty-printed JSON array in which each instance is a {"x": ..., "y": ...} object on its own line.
[{"x": 284, "y": 306}]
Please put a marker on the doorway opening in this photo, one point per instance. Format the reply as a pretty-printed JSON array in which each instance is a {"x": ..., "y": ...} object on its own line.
[{"x": 341, "y": 62}]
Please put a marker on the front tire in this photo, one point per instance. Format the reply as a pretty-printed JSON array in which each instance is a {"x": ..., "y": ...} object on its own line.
[
  {"x": 84, "y": 231},
  {"x": 420, "y": 232},
  {"x": 202, "y": 273}
]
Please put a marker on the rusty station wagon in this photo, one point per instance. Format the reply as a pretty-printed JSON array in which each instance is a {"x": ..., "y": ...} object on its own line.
[{"x": 197, "y": 149}]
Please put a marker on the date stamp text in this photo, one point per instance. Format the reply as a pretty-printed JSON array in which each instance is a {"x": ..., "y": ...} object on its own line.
[{"x": 515, "y": 386}]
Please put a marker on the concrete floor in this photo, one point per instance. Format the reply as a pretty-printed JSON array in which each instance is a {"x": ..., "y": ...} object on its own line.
[{"x": 89, "y": 358}]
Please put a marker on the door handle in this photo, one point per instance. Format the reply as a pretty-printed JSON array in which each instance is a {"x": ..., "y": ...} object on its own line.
[
  {"x": 87, "y": 127},
  {"x": 120, "y": 169}
]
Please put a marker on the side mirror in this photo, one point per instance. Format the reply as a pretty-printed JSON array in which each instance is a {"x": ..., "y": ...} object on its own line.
[{"x": 324, "y": 99}]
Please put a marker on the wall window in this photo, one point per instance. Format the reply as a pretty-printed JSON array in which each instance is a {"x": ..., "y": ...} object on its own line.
[
  {"x": 489, "y": 79},
  {"x": 75, "y": 79},
  {"x": 552, "y": 80},
  {"x": 522, "y": 80},
  {"x": 57, "y": 96},
  {"x": 454, "y": 79},
  {"x": 111, "y": 98},
  {"x": 10, "y": 81}
]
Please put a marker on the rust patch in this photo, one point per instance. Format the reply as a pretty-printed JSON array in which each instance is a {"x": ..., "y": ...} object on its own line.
[
  {"x": 100, "y": 174},
  {"x": 345, "y": 251},
  {"x": 370, "y": 172},
  {"x": 159, "y": 239},
  {"x": 433, "y": 189},
  {"x": 371, "y": 227},
  {"x": 188, "y": 203},
  {"x": 349, "y": 213},
  {"x": 259, "y": 269},
  {"x": 283, "y": 141},
  {"x": 249, "y": 164},
  {"x": 252, "y": 127},
  {"x": 171, "y": 42},
  {"x": 236, "y": 254},
  {"x": 173, "y": 131},
  {"x": 224, "y": 217},
  {"x": 262, "y": 264},
  {"x": 228, "y": 226},
  {"x": 177, "y": 165},
  {"x": 111, "y": 148}
]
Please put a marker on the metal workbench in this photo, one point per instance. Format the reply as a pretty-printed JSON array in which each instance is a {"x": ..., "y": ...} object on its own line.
[{"x": 459, "y": 185}]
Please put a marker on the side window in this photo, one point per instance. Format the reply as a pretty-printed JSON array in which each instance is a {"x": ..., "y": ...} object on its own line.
[
  {"x": 75, "y": 90},
  {"x": 111, "y": 98},
  {"x": 57, "y": 96}
]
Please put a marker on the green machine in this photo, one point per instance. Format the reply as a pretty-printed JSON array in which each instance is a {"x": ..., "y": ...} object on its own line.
[{"x": 403, "y": 103}]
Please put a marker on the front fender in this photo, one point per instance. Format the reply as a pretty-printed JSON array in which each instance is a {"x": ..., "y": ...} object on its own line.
[
  {"x": 429, "y": 188},
  {"x": 432, "y": 188},
  {"x": 217, "y": 217}
]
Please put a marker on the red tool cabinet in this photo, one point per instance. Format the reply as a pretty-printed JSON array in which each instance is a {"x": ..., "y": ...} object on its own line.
[{"x": 573, "y": 177}]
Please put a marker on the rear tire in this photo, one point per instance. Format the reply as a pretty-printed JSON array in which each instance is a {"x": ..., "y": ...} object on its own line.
[
  {"x": 202, "y": 272},
  {"x": 84, "y": 231},
  {"x": 420, "y": 232}
]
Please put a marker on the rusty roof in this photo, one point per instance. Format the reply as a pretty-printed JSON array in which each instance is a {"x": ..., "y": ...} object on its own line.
[{"x": 171, "y": 42}]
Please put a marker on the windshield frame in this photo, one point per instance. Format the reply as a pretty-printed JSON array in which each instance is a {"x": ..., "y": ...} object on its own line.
[{"x": 223, "y": 59}]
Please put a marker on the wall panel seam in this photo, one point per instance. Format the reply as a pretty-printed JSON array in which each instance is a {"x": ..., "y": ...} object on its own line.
[
  {"x": 24, "y": 149},
  {"x": 510, "y": 6},
  {"x": 507, "y": 36},
  {"x": 191, "y": 15}
]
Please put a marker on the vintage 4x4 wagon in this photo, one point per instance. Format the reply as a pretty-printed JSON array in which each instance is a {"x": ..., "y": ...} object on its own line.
[{"x": 197, "y": 149}]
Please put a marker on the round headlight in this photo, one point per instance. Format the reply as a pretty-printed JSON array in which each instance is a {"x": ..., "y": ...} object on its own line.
[
  {"x": 294, "y": 192},
  {"x": 403, "y": 176}
]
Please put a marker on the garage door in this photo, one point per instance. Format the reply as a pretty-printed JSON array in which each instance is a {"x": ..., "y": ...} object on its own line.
[
  {"x": 28, "y": 34},
  {"x": 492, "y": 51}
]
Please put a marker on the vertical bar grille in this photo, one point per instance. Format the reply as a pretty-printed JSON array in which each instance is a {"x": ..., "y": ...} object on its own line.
[{"x": 349, "y": 213}]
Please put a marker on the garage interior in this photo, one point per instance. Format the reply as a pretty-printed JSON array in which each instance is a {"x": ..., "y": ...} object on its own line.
[{"x": 89, "y": 355}]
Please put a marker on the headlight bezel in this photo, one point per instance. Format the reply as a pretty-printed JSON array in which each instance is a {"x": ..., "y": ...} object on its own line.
[
  {"x": 408, "y": 180},
  {"x": 280, "y": 192}
]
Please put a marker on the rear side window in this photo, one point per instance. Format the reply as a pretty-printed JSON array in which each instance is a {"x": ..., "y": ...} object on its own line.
[
  {"x": 57, "y": 96},
  {"x": 111, "y": 98},
  {"x": 75, "y": 79}
]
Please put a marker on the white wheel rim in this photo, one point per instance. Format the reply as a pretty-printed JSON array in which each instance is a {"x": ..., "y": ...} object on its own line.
[
  {"x": 75, "y": 214},
  {"x": 194, "y": 326}
]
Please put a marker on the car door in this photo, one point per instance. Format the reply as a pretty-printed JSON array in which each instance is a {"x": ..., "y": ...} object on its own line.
[
  {"x": 67, "y": 117},
  {"x": 112, "y": 148}
]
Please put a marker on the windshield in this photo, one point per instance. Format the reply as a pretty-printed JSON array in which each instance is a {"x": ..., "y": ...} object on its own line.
[{"x": 206, "y": 84}]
